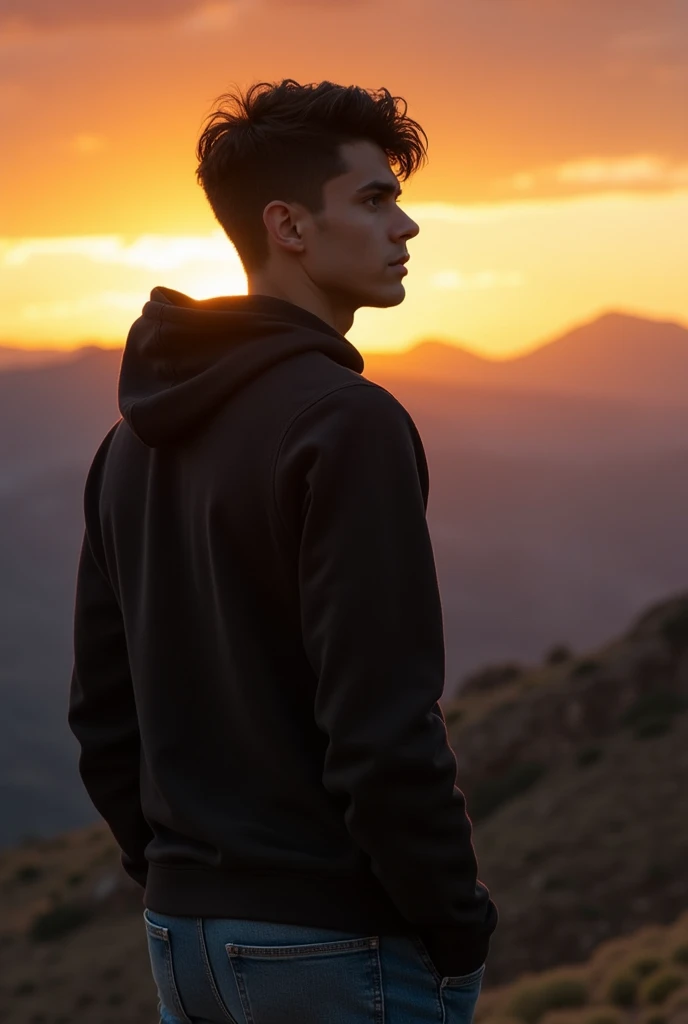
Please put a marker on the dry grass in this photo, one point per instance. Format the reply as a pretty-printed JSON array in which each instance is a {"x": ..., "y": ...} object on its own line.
[{"x": 647, "y": 955}]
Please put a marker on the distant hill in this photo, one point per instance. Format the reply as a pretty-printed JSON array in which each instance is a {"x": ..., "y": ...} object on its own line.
[
  {"x": 564, "y": 399},
  {"x": 574, "y": 770},
  {"x": 53, "y": 414},
  {"x": 13, "y": 356},
  {"x": 438, "y": 360},
  {"x": 614, "y": 356}
]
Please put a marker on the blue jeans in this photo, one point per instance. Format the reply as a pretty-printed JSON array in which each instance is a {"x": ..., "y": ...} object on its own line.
[{"x": 230, "y": 971}]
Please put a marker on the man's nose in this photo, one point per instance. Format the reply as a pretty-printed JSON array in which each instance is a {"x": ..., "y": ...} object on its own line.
[
  {"x": 407, "y": 228},
  {"x": 410, "y": 229}
]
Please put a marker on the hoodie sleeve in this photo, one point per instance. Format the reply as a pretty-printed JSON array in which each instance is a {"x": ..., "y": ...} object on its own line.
[
  {"x": 352, "y": 486},
  {"x": 102, "y": 712}
]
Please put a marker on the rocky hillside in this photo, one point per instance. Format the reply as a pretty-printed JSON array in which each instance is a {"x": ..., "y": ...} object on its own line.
[{"x": 575, "y": 774}]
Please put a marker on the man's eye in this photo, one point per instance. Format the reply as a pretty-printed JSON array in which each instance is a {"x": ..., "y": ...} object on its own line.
[{"x": 378, "y": 195}]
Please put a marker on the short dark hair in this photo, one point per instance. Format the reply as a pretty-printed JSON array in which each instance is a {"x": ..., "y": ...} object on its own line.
[{"x": 280, "y": 140}]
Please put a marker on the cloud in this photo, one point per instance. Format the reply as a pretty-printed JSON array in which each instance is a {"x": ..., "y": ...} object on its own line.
[
  {"x": 88, "y": 286},
  {"x": 330, "y": 6},
  {"x": 49, "y": 15},
  {"x": 149, "y": 252},
  {"x": 85, "y": 306},
  {"x": 478, "y": 279},
  {"x": 637, "y": 170},
  {"x": 610, "y": 10},
  {"x": 639, "y": 42},
  {"x": 501, "y": 275},
  {"x": 518, "y": 92},
  {"x": 597, "y": 173},
  {"x": 52, "y": 15}
]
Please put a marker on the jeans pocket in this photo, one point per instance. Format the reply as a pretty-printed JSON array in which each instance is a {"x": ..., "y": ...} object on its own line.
[
  {"x": 160, "y": 953},
  {"x": 339, "y": 981},
  {"x": 465, "y": 980},
  {"x": 459, "y": 995}
]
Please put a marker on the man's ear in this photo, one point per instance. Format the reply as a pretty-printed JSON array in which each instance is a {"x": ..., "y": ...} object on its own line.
[{"x": 278, "y": 218}]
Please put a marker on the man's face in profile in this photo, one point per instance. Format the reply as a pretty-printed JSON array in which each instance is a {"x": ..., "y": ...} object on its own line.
[{"x": 351, "y": 243}]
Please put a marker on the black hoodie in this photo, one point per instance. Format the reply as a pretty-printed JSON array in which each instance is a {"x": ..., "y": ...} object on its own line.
[{"x": 258, "y": 641}]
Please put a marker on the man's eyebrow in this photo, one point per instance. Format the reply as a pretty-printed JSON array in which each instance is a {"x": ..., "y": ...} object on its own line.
[{"x": 380, "y": 186}]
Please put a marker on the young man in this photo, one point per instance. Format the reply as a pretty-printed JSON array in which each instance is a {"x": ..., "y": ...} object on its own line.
[{"x": 259, "y": 648}]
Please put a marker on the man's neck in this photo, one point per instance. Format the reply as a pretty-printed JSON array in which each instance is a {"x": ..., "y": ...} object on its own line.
[{"x": 308, "y": 298}]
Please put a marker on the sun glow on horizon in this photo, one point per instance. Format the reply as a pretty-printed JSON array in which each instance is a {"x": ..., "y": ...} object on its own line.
[{"x": 493, "y": 277}]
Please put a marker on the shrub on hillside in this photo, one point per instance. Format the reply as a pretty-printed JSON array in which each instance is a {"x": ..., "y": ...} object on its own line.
[
  {"x": 656, "y": 988},
  {"x": 680, "y": 954},
  {"x": 557, "y": 654},
  {"x": 533, "y": 1000},
  {"x": 658, "y": 872},
  {"x": 25, "y": 988},
  {"x": 645, "y": 965},
  {"x": 674, "y": 629},
  {"x": 585, "y": 667},
  {"x": 28, "y": 873},
  {"x": 590, "y": 911},
  {"x": 654, "y": 726},
  {"x": 605, "y": 1016},
  {"x": 569, "y": 1015},
  {"x": 491, "y": 677},
  {"x": 588, "y": 755},
  {"x": 652, "y": 713},
  {"x": 55, "y": 923},
  {"x": 623, "y": 989},
  {"x": 489, "y": 794},
  {"x": 453, "y": 714}
]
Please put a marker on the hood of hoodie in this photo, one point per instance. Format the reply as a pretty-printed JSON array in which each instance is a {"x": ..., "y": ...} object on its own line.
[{"x": 184, "y": 357}]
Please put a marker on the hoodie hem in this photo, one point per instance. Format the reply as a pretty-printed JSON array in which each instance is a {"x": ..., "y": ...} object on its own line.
[
  {"x": 348, "y": 904},
  {"x": 284, "y": 897}
]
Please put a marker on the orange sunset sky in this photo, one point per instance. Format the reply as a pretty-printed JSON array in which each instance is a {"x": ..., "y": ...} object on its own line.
[{"x": 556, "y": 186}]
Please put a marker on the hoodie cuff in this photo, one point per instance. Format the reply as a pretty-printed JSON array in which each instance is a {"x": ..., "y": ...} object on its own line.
[
  {"x": 136, "y": 869},
  {"x": 453, "y": 952}
]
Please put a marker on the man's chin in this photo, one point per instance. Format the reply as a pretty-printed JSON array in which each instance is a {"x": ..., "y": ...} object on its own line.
[{"x": 386, "y": 296}]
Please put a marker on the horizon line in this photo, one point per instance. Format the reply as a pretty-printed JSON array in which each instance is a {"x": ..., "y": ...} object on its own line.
[{"x": 41, "y": 347}]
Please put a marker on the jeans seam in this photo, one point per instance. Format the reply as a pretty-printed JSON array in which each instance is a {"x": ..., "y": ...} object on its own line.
[
  {"x": 173, "y": 985},
  {"x": 379, "y": 997},
  {"x": 171, "y": 980},
  {"x": 434, "y": 975},
  {"x": 425, "y": 957},
  {"x": 301, "y": 949},
  {"x": 209, "y": 974},
  {"x": 241, "y": 987}
]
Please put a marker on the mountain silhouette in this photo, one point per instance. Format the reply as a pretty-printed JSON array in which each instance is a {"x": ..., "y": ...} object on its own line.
[
  {"x": 14, "y": 356},
  {"x": 615, "y": 356}
]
